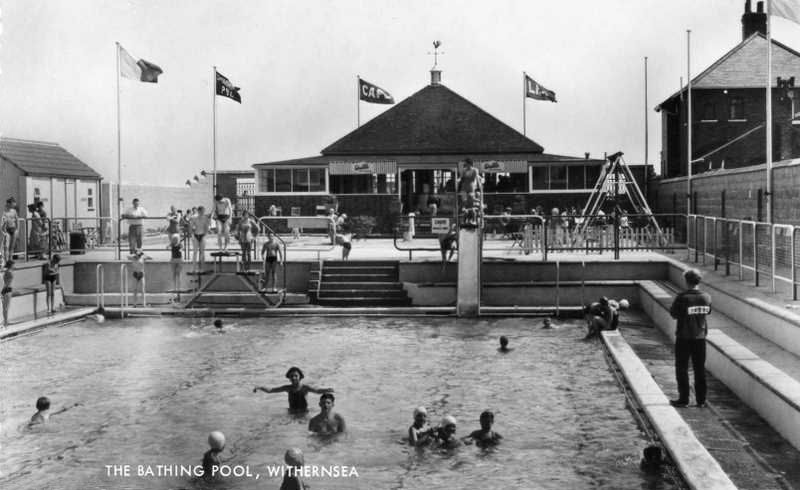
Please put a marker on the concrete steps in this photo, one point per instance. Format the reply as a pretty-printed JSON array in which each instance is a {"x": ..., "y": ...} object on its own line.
[{"x": 359, "y": 284}]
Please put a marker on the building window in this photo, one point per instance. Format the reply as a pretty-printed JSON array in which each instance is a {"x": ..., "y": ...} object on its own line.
[
  {"x": 506, "y": 182},
  {"x": 709, "y": 112},
  {"x": 286, "y": 180},
  {"x": 540, "y": 177},
  {"x": 576, "y": 177},
  {"x": 736, "y": 109},
  {"x": 558, "y": 177},
  {"x": 364, "y": 184},
  {"x": 90, "y": 199}
]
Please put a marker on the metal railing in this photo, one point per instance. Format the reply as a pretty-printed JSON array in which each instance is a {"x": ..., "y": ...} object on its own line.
[
  {"x": 123, "y": 289},
  {"x": 760, "y": 249},
  {"x": 100, "y": 284}
]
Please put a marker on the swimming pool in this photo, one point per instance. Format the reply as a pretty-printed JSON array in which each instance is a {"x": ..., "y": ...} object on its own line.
[{"x": 151, "y": 389}]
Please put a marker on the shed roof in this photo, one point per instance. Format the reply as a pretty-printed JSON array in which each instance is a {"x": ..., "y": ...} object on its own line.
[{"x": 40, "y": 158}]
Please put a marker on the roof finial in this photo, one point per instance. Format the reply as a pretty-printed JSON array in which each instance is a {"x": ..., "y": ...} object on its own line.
[{"x": 436, "y": 74}]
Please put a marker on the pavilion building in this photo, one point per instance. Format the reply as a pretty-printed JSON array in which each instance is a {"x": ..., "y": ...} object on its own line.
[{"x": 408, "y": 156}]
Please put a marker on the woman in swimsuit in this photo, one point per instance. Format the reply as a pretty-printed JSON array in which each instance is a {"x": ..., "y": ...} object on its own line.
[
  {"x": 297, "y": 391},
  {"x": 50, "y": 278},
  {"x": 245, "y": 233}
]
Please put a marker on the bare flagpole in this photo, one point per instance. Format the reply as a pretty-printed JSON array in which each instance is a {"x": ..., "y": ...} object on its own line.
[
  {"x": 524, "y": 116},
  {"x": 646, "y": 133},
  {"x": 119, "y": 168},
  {"x": 689, "y": 129},
  {"x": 769, "y": 112},
  {"x": 214, "y": 132}
]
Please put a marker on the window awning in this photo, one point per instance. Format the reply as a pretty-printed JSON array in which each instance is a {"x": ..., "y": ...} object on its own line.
[{"x": 363, "y": 167}]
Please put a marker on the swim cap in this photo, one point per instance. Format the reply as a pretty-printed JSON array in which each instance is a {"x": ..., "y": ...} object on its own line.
[
  {"x": 613, "y": 303},
  {"x": 448, "y": 420},
  {"x": 216, "y": 440},
  {"x": 420, "y": 410},
  {"x": 624, "y": 304},
  {"x": 294, "y": 457}
]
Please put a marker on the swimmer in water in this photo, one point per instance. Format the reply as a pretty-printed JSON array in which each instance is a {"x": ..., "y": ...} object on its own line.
[
  {"x": 548, "y": 324},
  {"x": 42, "y": 415},
  {"x": 218, "y": 325},
  {"x": 211, "y": 458},
  {"x": 446, "y": 434},
  {"x": 327, "y": 422},
  {"x": 292, "y": 478},
  {"x": 297, "y": 391},
  {"x": 484, "y": 436},
  {"x": 504, "y": 345},
  {"x": 419, "y": 434}
]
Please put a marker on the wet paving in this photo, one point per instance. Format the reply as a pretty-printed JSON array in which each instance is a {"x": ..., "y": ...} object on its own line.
[{"x": 752, "y": 454}]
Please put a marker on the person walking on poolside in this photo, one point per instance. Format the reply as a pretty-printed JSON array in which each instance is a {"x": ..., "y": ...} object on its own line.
[
  {"x": 327, "y": 422},
  {"x": 271, "y": 256},
  {"x": 135, "y": 215},
  {"x": 246, "y": 231},
  {"x": 137, "y": 267},
  {"x": 223, "y": 210},
  {"x": 6, "y": 292},
  {"x": 297, "y": 391},
  {"x": 199, "y": 224},
  {"x": 51, "y": 274},
  {"x": 9, "y": 226},
  {"x": 690, "y": 309}
]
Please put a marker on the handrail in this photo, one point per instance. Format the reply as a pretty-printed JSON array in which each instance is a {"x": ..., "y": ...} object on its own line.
[
  {"x": 101, "y": 286},
  {"x": 558, "y": 286},
  {"x": 123, "y": 289},
  {"x": 583, "y": 283}
]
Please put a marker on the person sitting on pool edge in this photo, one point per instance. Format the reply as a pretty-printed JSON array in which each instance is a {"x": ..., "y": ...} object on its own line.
[
  {"x": 419, "y": 434},
  {"x": 484, "y": 436},
  {"x": 211, "y": 458},
  {"x": 446, "y": 434},
  {"x": 327, "y": 422},
  {"x": 603, "y": 315},
  {"x": 296, "y": 391}
]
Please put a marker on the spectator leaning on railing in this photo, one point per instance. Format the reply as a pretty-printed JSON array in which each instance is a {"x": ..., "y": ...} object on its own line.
[{"x": 134, "y": 216}]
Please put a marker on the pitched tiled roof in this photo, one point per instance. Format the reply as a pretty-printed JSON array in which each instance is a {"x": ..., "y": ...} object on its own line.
[
  {"x": 44, "y": 159},
  {"x": 745, "y": 66},
  {"x": 435, "y": 120}
]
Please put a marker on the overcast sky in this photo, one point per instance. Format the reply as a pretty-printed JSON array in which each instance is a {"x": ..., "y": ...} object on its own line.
[{"x": 297, "y": 63}]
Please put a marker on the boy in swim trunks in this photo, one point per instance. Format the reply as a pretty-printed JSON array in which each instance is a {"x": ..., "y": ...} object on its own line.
[
  {"x": 6, "y": 293},
  {"x": 271, "y": 255},
  {"x": 484, "y": 436},
  {"x": 223, "y": 209},
  {"x": 137, "y": 267},
  {"x": 327, "y": 422},
  {"x": 9, "y": 229},
  {"x": 199, "y": 224},
  {"x": 176, "y": 262},
  {"x": 297, "y": 391}
]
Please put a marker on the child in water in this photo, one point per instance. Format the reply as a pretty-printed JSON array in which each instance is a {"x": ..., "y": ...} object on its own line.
[
  {"x": 504, "y": 345},
  {"x": 446, "y": 434},
  {"x": 42, "y": 414},
  {"x": 292, "y": 477},
  {"x": 419, "y": 434},
  {"x": 484, "y": 436},
  {"x": 211, "y": 458},
  {"x": 296, "y": 391}
]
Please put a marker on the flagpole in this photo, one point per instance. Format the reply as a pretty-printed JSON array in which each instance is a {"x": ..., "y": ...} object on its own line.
[
  {"x": 646, "y": 132},
  {"x": 119, "y": 165},
  {"x": 358, "y": 102},
  {"x": 689, "y": 130},
  {"x": 214, "y": 132},
  {"x": 769, "y": 112},
  {"x": 524, "y": 116}
]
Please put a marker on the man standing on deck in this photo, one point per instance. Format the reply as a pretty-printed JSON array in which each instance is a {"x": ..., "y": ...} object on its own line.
[
  {"x": 690, "y": 309},
  {"x": 134, "y": 216},
  {"x": 223, "y": 210}
]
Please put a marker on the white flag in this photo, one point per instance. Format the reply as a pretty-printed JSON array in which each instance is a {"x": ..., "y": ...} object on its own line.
[
  {"x": 142, "y": 70},
  {"x": 788, "y": 9}
]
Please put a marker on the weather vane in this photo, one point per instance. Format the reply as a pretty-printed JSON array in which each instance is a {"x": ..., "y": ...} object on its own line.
[{"x": 436, "y": 52}]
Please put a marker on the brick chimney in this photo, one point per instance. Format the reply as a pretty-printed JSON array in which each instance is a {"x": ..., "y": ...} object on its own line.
[{"x": 753, "y": 21}]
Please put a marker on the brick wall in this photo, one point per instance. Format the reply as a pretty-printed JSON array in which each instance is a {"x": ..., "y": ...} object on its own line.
[{"x": 743, "y": 193}]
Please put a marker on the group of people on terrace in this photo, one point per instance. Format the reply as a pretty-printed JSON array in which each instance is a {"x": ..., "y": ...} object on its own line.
[{"x": 40, "y": 240}]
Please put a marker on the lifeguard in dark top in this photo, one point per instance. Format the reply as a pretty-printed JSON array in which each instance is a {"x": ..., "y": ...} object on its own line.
[{"x": 297, "y": 391}]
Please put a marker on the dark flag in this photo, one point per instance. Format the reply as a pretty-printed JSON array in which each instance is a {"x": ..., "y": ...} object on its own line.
[
  {"x": 536, "y": 91},
  {"x": 142, "y": 70},
  {"x": 372, "y": 93},
  {"x": 226, "y": 89}
]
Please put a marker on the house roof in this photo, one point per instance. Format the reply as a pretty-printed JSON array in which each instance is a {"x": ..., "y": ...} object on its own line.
[
  {"x": 744, "y": 67},
  {"x": 435, "y": 120},
  {"x": 39, "y": 158}
]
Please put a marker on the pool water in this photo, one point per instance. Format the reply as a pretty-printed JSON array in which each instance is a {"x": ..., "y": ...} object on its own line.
[{"x": 149, "y": 390}]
